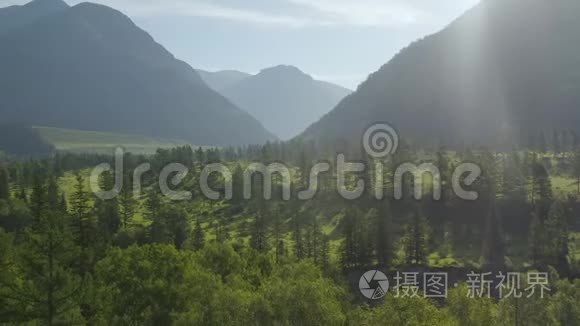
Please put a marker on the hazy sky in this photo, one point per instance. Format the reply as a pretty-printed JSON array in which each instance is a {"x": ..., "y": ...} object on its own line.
[{"x": 341, "y": 41}]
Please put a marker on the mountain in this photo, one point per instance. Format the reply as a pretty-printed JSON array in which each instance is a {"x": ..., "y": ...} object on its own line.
[
  {"x": 17, "y": 16},
  {"x": 220, "y": 80},
  {"x": 283, "y": 98},
  {"x": 499, "y": 75},
  {"x": 90, "y": 67}
]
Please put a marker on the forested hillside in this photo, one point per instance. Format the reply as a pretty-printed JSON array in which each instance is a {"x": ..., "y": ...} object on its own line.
[
  {"x": 90, "y": 67},
  {"x": 490, "y": 78},
  {"x": 71, "y": 258}
]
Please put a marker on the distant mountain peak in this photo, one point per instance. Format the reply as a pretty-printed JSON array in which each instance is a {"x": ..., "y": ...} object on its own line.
[
  {"x": 14, "y": 17},
  {"x": 284, "y": 70},
  {"x": 47, "y": 4},
  {"x": 98, "y": 10},
  {"x": 285, "y": 99}
]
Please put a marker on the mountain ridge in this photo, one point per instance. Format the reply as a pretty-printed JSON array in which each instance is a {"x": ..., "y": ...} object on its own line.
[
  {"x": 132, "y": 84},
  {"x": 489, "y": 78},
  {"x": 284, "y": 98}
]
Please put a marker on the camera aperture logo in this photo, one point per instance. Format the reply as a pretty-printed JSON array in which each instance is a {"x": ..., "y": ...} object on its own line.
[{"x": 374, "y": 284}]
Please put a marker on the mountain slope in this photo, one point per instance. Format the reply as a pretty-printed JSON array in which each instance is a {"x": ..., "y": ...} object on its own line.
[
  {"x": 17, "y": 16},
  {"x": 490, "y": 78},
  {"x": 221, "y": 80},
  {"x": 284, "y": 99},
  {"x": 89, "y": 67}
]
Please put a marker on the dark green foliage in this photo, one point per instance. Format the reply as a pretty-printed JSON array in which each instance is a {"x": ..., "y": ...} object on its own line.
[
  {"x": 45, "y": 259},
  {"x": 198, "y": 236},
  {"x": 537, "y": 240},
  {"x": 38, "y": 198},
  {"x": 147, "y": 284},
  {"x": 576, "y": 171},
  {"x": 4, "y": 184},
  {"x": 541, "y": 188},
  {"x": 84, "y": 226},
  {"x": 170, "y": 226},
  {"x": 415, "y": 241},
  {"x": 23, "y": 196},
  {"x": 357, "y": 248},
  {"x": 227, "y": 263},
  {"x": 493, "y": 250},
  {"x": 107, "y": 211},
  {"x": 549, "y": 239},
  {"x": 298, "y": 241},
  {"x": 383, "y": 229},
  {"x": 259, "y": 241},
  {"x": 557, "y": 229},
  {"x": 127, "y": 203}
]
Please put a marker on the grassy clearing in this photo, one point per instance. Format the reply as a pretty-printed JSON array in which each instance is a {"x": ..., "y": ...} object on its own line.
[
  {"x": 80, "y": 141},
  {"x": 564, "y": 185}
]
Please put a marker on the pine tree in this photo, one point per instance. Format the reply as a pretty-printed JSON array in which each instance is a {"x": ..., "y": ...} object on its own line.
[
  {"x": 312, "y": 238},
  {"x": 316, "y": 240},
  {"x": 540, "y": 185},
  {"x": 514, "y": 178},
  {"x": 63, "y": 204},
  {"x": 200, "y": 155},
  {"x": 349, "y": 245},
  {"x": 44, "y": 261},
  {"x": 325, "y": 253},
  {"x": 278, "y": 235},
  {"x": 152, "y": 204},
  {"x": 83, "y": 225},
  {"x": 22, "y": 195},
  {"x": 127, "y": 203},
  {"x": 53, "y": 194},
  {"x": 4, "y": 184},
  {"x": 576, "y": 171},
  {"x": 415, "y": 241},
  {"x": 298, "y": 241},
  {"x": 221, "y": 232},
  {"x": 159, "y": 230},
  {"x": 304, "y": 167},
  {"x": 445, "y": 173},
  {"x": 258, "y": 239},
  {"x": 107, "y": 211},
  {"x": 383, "y": 245},
  {"x": 537, "y": 240},
  {"x": 493, "y": 251},
  {"x": 238, "y": 184},
  {"x": 280, "y": 251},
  {"x": 198, "y": 236},
  {"x": 557, "y": 230},
  {"x": 38, "y": 198},
  {"x": 179, "y": 227},
  {"x": 170, "y": 226}
]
